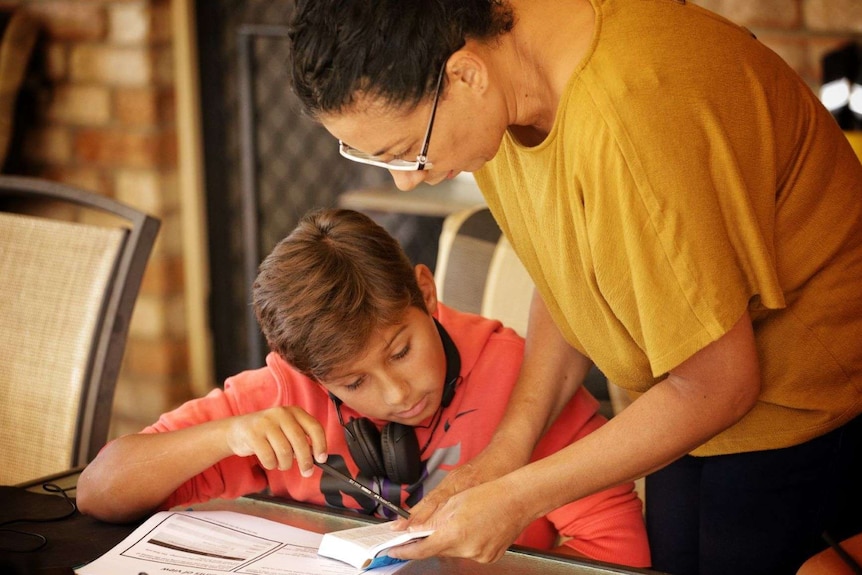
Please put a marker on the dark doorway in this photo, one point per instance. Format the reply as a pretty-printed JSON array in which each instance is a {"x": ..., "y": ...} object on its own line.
[{"x": 266, "y": 163}]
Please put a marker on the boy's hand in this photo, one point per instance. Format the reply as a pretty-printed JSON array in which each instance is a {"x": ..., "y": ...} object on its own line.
[{"x": 277, "y": 436}]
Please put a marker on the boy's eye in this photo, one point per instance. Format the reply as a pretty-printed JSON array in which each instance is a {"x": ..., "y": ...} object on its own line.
[
  {"x": 355, "y": 385},
  {"x": 402, "y": 353}
]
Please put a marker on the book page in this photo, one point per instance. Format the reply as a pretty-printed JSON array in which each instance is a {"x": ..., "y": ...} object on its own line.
[
  {"x": 215, "y": 542},
  {"x": 364, "y": 547},
  {"x": 378, "y": 537}
]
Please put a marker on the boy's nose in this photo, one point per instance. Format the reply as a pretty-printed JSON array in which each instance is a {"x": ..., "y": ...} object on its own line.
[{"x": 395, "y": 390}]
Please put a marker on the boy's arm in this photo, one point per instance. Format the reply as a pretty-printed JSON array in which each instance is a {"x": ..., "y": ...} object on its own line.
[
  {"x": 607, "y": 526},
  {"x": 136, "y": 474}
]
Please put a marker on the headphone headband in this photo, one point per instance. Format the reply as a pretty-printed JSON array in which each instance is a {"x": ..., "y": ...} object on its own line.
[{"x": 453, "y": 365}]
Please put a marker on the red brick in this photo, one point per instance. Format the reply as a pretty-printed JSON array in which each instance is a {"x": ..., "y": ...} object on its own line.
[
  {"x": 146, "y": 106},
  {"x": 139, "y": 399},
  {"x": 156, "y": 358},
  {"x": 91, "y": 179},
  {"x": 758, "y": 13},
  {"x": 141, "y": 149},
  {"x": 111, "y": 65},
  {"x": 51, "y": 145},
  {"x": 164, "y": 276},
  {"x": 88, "y": 105},
  {"x": 70, "y": 21},
  {"x": 833, "y": 15},
  {"x": 56, "y": 61},
  {"x": 161, "y": 28}
]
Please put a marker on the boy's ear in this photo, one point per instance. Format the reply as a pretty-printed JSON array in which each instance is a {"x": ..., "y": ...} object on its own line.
[{"x": 425, "y": 279}]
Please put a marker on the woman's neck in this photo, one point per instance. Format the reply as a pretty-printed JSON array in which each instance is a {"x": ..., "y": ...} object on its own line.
[{"x": 538, "y": 57}]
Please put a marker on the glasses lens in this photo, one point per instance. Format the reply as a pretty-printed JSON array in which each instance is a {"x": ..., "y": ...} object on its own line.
[{"x": 363, "y": 158}]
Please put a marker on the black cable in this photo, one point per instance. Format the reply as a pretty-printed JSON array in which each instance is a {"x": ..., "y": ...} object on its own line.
[{"x": 41, "y": 540}]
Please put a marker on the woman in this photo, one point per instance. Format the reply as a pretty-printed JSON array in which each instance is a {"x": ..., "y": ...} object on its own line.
[{"x": 692, "y": 218}]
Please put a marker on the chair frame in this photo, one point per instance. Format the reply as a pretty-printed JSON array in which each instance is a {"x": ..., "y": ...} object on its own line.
[{"x": 106, "y": 353}]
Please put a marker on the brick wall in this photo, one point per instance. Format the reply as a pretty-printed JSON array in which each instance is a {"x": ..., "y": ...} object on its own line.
[
  {"x": 800, "y": 31},
  {"x": 105, "y": 121}
]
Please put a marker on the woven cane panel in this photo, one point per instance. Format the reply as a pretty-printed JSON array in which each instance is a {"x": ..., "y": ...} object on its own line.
[{"x": 53, "y": 277}]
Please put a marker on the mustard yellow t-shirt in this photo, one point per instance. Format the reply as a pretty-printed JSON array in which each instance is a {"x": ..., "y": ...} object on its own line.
[{"x": 691, "y": 174}]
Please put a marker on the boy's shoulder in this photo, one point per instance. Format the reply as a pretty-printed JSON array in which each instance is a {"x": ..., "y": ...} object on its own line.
[
  {"x": 473, "y": 333},
  {"x": 275, "y": 384}
]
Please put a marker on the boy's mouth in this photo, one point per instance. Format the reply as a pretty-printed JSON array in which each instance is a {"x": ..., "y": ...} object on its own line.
[{"x": 414, "y": 411}]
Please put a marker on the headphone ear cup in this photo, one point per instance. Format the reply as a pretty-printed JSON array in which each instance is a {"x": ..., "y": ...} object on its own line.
[
  {"x": 363, "y": 441},
  {"x": 401, "y": 457}
]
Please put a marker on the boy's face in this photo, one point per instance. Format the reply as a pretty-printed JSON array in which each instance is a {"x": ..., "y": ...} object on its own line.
[{"x": 401, "y": 375}]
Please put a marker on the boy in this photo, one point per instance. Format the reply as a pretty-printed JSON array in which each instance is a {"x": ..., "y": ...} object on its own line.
[{"x": 359, "y": 343}]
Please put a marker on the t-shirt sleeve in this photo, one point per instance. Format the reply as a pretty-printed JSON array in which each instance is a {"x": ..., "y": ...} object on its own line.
[{"x": 233, "y": 476}]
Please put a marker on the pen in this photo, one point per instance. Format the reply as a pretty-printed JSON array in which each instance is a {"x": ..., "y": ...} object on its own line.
[
  {"x": 842, "y": 553},
  {"x": 374, "y": 495}
]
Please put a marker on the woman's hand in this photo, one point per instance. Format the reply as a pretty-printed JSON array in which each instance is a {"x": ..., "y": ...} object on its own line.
[
  {"x": 493, "y": 462},
  {"x": 479, "y": 524},
  {"x": 277, "y": 436}
]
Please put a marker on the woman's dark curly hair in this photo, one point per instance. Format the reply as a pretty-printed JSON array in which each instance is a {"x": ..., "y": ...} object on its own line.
[{"x": 390, "y": 49}]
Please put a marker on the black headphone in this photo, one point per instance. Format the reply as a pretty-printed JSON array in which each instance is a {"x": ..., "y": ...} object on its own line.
[{"x": 394, "y": 453}]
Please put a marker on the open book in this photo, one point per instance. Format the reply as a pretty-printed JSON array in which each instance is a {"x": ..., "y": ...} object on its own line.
[{"x": 365, "y": 547}]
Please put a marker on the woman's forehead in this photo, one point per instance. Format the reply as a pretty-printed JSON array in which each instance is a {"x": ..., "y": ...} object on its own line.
[{"x": 371, "y": 126}]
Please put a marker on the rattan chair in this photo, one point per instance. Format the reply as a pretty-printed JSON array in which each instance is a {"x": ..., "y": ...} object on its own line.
[
  {"x": 67, "y": 290},
  {"x": 464, "y": 252}
]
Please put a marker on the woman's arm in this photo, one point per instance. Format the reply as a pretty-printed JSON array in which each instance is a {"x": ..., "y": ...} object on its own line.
[
  {"x": 551, "y": 373},
  {"x": 706, "y": 394}
]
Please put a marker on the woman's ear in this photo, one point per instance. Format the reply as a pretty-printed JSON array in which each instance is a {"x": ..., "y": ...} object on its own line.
[
  {"x": 467, "y": 68},
  {"x": 427, "y": 286}
]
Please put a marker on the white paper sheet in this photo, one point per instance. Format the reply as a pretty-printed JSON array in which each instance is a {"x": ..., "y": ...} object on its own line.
[{"x": 215, "y": 543}]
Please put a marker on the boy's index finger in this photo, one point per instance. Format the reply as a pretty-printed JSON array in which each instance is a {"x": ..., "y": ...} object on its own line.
[{"x": 314, "y": 433}]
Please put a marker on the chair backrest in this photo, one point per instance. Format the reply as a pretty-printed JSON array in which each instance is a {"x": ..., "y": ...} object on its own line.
[
  {"x": 67, "y": 291},
  {"x": 508, "y": 289},
  {"x": 465, "y": 250},
  {"x": 479, "y": 272}
]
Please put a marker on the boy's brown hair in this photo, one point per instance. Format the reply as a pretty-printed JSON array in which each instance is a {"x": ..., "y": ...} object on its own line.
[{"x": 325, "y": 288}]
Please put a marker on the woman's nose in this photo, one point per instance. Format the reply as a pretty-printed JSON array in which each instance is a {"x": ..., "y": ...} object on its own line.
[{"x": 406, "y": 181}]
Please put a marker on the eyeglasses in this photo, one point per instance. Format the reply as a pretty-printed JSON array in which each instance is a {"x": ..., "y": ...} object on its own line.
[{"x": 399, "y": 165}]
